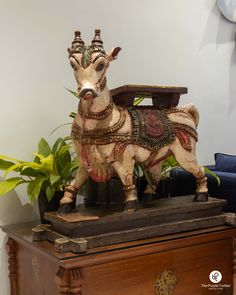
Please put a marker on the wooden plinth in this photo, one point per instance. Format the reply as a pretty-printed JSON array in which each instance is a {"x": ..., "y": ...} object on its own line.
[{"x": 87, "y": 228}]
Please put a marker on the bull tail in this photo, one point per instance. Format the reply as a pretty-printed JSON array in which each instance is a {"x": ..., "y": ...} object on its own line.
[{"x": 193, "y": 111}]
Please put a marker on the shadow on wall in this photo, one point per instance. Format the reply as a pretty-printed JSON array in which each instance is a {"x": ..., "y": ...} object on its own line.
[
  {"x": 11, "y": 212},
  {"x": 219, "y": 31}
]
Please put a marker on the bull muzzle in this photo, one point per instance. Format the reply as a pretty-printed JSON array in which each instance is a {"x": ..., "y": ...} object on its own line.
[{"x": 88, "y": 93}]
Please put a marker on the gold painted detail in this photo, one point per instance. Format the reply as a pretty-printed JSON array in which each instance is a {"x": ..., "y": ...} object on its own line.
[
  {"x": 102, "y": 135},
  {"x": 165, "y": 283},
  {"x": 109, "y": 138},
  {"x": 187, "y": 129},
  {"x": 118, "y": 150},
  {"x": 99, "y": 115},
  {"x": 103, "y": 84},
  {"x": 102, "y": 131},
  {"x": 129, "y": 188},
  {"x": 201, "y": 180},
  {"x": 179, "y": 112}
]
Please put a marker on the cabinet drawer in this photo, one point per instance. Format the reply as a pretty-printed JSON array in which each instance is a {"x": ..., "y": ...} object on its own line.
[{"x": 190, "y": 267}]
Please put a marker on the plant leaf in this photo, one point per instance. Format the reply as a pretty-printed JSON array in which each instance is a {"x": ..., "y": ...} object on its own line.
[
  {"x": 2, "y": 157},
  {"x": 56, "y": 145},
  {"x": 55, "y": 129},
  {"x": 36, "y": 166},
  {"x": 74, "y": 165},
  {"x": 212, "y": 174},
  {"x": 34, "y": 188},
  {"x": 72, "y": 92},
  {"x": 138, "y": 100},
  {"x": 169, "y": 163},
  {"x": 9, "y": 184},
  {"x": 72, "y": 115},
  {"x": 5, "y": 164},
  {"x": 68, "y": 138},
  {"x": 66, "y": 172},
  {"x": 46, "y": 163},
  {"x": 54, "y": 179},
  {"x": 62, "y": 156},
  {"x": 50, "y": 191},
  {"x": 15, "y": 167},
  {"x": 27, "y": 171},
  {"x": 44, "y": 148},
  {"x": 147, "y": 176}
]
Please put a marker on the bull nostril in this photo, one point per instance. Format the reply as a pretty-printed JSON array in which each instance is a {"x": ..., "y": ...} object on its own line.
[
  {"x": 88, "y": 92},
  {"x": 88, "y": 95}
]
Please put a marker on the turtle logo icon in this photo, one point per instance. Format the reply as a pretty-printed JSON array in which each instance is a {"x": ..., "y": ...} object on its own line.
[{"x": 215, "y": 276}]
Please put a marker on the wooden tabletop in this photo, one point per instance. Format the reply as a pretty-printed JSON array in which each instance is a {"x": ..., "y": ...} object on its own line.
[
  {"x": 148, "y": 90},
  {"x": 163, "y": 97}
]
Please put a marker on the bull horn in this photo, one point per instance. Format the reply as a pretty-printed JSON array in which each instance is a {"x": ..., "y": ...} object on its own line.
[
  {"x": 76, "y": 44},
  {"x": 97, "y": 41}
]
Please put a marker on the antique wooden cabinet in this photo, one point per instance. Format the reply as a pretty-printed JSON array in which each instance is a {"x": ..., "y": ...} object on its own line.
[{"x": 177, "y": 264}]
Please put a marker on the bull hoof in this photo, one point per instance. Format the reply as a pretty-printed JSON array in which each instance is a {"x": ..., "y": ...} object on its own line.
[
  {"x": 148, "y": 198},
  {"x": 201, "y": 197},
  {"x": 131, "y": 206},
  {"x": 65, "y": 208}
]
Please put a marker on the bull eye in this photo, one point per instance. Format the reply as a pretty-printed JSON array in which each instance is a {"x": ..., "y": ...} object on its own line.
[{"x": 100, "y": 66}]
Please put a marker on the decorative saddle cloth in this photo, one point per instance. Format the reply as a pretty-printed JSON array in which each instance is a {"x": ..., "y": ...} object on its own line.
[{"x": 151, "y": 128}]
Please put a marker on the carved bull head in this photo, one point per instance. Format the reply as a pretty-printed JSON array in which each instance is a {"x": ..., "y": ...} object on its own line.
[{"x": 90, "y": 64}]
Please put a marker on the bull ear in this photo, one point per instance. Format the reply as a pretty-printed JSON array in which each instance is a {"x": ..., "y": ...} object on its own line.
[{"x": 113, "y": 53}]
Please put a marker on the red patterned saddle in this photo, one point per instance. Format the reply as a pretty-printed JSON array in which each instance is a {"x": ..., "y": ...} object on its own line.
[{"x": 151, "y": 128}]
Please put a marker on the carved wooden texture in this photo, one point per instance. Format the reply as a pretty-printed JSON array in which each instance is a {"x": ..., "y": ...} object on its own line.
[
  {"x": 11, "y": 248},
  {"x": 69, "y": 281},
  {"x": 136, "y": 276},
  {"x": 130, "y": 268}
]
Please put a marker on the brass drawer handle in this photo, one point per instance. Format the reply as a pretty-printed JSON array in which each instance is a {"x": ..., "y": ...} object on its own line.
[{"x": 165, "y": 283}]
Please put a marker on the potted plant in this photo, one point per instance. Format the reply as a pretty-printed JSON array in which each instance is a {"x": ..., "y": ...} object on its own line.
[{"x": 46, "y": 176}]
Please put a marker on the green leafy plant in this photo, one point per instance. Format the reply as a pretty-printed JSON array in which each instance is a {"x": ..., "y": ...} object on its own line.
[
  {"x": 51, "y": 170},
  {"x": 171, "y": 163}
]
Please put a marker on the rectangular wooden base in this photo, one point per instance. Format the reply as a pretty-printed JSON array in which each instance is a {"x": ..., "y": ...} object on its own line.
[{"x": 93, "y": 227}]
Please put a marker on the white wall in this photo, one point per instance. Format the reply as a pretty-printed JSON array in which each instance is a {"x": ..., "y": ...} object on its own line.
[{"x": 178, "y": 42}]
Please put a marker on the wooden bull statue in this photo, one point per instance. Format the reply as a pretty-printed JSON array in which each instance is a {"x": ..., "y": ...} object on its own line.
[{"x": 109, "y": 140}]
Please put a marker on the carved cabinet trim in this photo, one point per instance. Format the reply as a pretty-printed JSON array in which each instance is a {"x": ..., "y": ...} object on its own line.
[
  {"x": 11, "y": 248},
  {"x": 69, "y": 281}
]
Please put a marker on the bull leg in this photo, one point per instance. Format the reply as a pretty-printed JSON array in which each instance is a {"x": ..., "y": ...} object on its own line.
[
  {"x": 66, "y": 203},
  {"x": 188, "y": 161},
  {"x": 155, "y": 177},
  {"x": 125, "y": 169}
]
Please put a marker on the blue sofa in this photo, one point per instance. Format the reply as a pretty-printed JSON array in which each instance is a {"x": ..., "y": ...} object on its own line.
[{"x": 183, "y": 183}]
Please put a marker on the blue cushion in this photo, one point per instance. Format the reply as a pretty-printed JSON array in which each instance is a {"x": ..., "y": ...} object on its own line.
[{"x": 225, "y": 163}]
